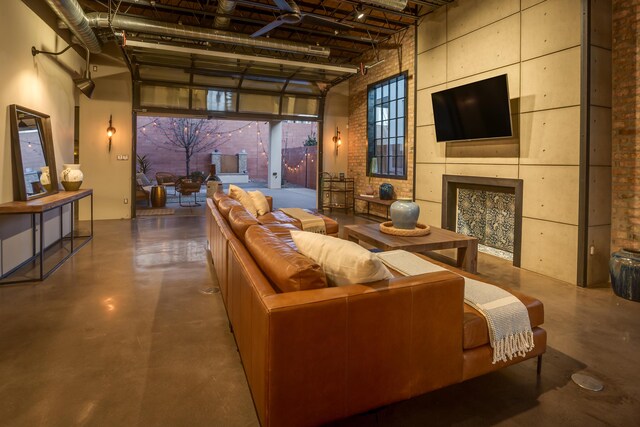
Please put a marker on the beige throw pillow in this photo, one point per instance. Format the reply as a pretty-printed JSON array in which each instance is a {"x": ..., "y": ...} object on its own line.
[
  {"x": 243, "y": 197},
  {"x": 259, "y": 201},
  {"x": 343, "y": 262}
]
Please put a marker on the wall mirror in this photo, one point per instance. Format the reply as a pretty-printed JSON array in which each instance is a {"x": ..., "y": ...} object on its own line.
[{"x": 34, "y": 166}]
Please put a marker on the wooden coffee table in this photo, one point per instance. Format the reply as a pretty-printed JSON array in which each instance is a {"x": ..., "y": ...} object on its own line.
[{"x": 467, "y": 256}]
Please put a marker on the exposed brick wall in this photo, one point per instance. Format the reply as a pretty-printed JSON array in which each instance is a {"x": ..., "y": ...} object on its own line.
[
  {"x": 256, "y": 145},
  {"x": 625, "y": 221},
  {"x": 395, "y": 61}
]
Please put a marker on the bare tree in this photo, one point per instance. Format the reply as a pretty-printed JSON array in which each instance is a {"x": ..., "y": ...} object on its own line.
[{"x": 190, "y": 136}]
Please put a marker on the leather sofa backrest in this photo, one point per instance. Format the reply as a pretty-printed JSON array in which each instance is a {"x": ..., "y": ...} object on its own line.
[
  {"x": 287, "y": 269},
  {"x": 240, "y": 220},
  {"x": 225, "y": 205},
  {"x": 217, "y": 196}
]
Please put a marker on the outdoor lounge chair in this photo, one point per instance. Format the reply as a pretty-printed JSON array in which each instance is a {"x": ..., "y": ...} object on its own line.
[
  {"x": 185, "y": 187},
  {"x": 167, "y": 179}
]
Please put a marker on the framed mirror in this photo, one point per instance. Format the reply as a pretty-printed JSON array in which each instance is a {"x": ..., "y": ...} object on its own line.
[{"x": 34, "y": 165}]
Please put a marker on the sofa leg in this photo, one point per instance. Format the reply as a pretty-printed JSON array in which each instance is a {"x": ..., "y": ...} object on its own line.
[{"x": 539, "y": 367}]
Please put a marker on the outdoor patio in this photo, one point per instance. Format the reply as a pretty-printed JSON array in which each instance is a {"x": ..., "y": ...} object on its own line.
[{"x": 282, "y": 198}]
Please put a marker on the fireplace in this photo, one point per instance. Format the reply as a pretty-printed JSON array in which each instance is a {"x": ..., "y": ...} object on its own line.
[{"x": 489, "y": 209}]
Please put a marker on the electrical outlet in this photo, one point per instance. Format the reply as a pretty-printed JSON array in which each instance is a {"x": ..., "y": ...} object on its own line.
[
  {"x": 592, "y": 250},
  {"x": 122, "y": 157},
  {"x": 126, "y": 201}
]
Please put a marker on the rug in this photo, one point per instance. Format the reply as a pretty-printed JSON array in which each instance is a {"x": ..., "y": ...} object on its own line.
[{"x": 154, "y": 211}]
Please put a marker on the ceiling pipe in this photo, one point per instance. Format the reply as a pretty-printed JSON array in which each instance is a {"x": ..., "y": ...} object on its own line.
[
  {"x": 225, "y": 8},
  {"x": 101, "y": 20},
  {"x": 71, "y": 13},
  {"x": 389, "y": 4}
]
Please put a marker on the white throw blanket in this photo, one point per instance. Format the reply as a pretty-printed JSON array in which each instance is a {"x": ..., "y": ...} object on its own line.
[
  {"x": 310, "y": 222},
  {"x": 510, "y": 333}
]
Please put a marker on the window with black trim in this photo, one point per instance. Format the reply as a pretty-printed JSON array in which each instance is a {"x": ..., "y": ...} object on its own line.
[{"x": 387, "y": 127}]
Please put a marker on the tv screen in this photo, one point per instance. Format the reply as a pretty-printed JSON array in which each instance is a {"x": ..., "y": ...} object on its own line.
[{"x": 478, "y": 110}]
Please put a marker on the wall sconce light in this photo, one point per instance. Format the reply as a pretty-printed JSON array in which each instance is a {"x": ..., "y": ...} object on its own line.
[
  {"x": 84, "y": 83},
  {"x": 337, "y": 140},
  {"x": 110, "y": 130}
]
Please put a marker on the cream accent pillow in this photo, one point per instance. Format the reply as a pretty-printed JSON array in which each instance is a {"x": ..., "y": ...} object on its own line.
[
  {"x": 343, "y": 262},
  {"x": 243, "y": 197},
  {"x": 259, "y": 201}
]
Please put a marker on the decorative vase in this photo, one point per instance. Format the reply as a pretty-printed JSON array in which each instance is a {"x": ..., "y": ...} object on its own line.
[
  {"x": 45, "y": 178},
  {"x": 369, "y": 190},
  {"x": 386, "y": 191},
  {"x": 71, "y": 177},
  {"x": 404, "y": 214},
  {"x": 624, "y": 267}
]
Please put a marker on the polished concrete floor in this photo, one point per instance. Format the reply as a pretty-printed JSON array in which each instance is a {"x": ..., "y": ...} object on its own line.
[{"x": 126, "y": 333}]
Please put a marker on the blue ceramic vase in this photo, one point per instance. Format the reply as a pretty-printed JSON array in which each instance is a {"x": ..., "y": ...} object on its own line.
[
  {"x": 404, "y": 214},
  {"x": 624, "y": 267},
  {"x": 386, "y": 191}
]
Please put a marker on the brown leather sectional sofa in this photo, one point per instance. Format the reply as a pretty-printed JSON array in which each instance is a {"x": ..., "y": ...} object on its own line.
[{"x": 313, "y": 354}]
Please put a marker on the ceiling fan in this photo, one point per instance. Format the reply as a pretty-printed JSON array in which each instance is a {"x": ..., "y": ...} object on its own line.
[{"x": 292, "y": 15}]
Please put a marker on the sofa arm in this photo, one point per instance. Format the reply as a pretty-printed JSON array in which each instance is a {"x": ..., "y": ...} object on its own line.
[
  {"x": 270, "y": 201},
  {"x": 339, "y": 351}
]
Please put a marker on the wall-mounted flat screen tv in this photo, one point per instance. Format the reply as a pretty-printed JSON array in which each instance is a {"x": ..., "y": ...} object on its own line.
[{"x": 478, "y": 110}]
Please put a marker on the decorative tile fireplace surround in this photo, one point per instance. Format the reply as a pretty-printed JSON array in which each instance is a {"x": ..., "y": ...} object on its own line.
[{"x": 489, "y": 209}]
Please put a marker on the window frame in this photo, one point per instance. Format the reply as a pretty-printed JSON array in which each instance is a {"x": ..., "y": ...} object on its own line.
[{"x": 371, "y": 128}]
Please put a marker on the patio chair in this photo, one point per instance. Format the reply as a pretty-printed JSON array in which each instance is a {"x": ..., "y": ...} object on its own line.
[
  {"x": 142, "y": 194},
  {"x": 167, "y": 179},
  {"x": 185, "y": 187}
]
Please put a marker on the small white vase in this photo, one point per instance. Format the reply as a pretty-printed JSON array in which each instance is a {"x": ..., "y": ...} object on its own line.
[
  {"x": 71, "y": 177},
  {"x": 45, "y": 178}
]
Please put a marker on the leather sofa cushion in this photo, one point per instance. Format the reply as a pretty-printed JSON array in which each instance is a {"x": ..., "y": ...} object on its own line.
[
  {"x": 476, "y": 333},
  {"x": 282, "y": 218},
  {"x": 283, "y": 232},
  {"x": 225, "y": 206},
  {"x": 217, "y": 196},
  {"x": 240, "y": 220},
  {"x": 286, "y": 269}
]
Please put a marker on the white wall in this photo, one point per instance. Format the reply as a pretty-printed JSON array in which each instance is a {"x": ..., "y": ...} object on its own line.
[
  {"x": 109, "y": 178},
  {"x": 336, "y": 114},
  {"x": 42, "y": 83}
]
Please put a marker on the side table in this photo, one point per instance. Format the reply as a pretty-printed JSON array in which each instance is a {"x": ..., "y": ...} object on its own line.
[{"x": 158, "y": 196}]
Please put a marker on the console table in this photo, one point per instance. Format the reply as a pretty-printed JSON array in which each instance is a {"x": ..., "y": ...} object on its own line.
[
  {"x": 37, "y": 208},
  {"x": 375, "y": 201}
]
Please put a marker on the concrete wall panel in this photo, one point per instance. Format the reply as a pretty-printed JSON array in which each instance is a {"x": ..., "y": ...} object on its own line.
[
  {"x": 600, "y": 77},
  {"x": 433, "y": 32},
  {"x": 436, "y": 72},
  {"x": 551, "y": 193},
  {"x": 599, "y": 195},
  {"x": 430, "y": 213},
  {"x": 598, "y": 264},
  {"x": 427, "y": 149},
  {"x": 490, "y": 170},
  {"x": 550, "y": 26},
  {"x": 467, "y": 16},
  {"x": 424, "y": 107},
  {"x": 550, "y": 248},
  {"x": 551, "y": 81},
  {"x": 600, "y": 143},
  {"x": 601, "y": 23},
  {"x": 430, "y": 186},
  {"x": 550, "y": 137},
  {"x": 494, "y": 46}
]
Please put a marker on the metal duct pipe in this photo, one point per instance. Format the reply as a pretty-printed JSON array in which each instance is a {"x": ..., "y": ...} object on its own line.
[
  {"x": 71, "y": 13},
  {"x": 389, "y": 4},
  {"x": 225, "y": 7},
  {"x": 101, "y": 20}
]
